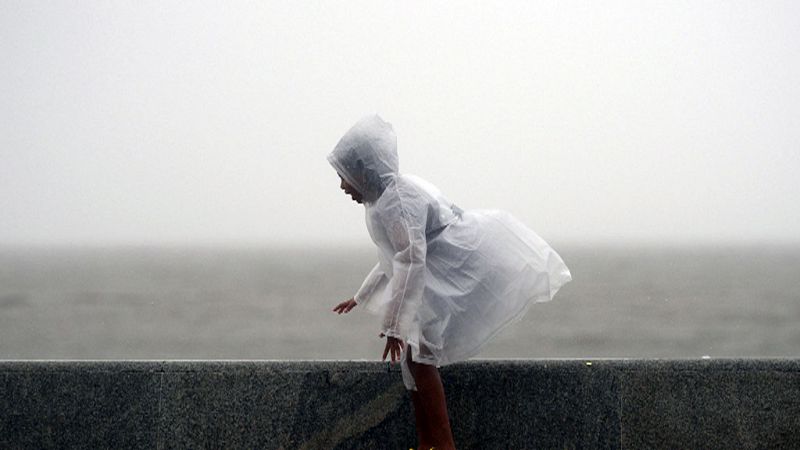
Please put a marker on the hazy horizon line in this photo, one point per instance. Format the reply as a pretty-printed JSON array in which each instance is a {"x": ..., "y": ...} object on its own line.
[{"x": 368, "y": 245}]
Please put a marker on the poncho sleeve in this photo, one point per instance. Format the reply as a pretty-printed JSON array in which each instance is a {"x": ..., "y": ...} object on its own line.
[
  {"x": 374, "y": 283},
  {"x": 404, "y": 218}
]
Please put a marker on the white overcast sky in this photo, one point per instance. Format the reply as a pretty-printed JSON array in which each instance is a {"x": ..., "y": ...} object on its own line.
[{"x": 208, "y": 122}]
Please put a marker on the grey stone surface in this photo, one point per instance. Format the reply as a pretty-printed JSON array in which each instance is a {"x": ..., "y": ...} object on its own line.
[
  {"x": 562, "y": 404},
  {"x": 53, "y": 408},
  {"x": 751, "y": 404},
  {"x": 508, "y": 404}
]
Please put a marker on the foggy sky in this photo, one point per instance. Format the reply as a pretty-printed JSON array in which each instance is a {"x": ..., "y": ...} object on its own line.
[{"x": 209, "y": 122}]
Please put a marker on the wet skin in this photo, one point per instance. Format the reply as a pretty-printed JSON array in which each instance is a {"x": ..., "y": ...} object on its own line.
[{"x": 351, "y": 191}]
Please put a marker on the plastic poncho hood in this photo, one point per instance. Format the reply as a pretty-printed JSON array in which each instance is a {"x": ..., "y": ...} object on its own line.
[{"x": 366, "y": 156}]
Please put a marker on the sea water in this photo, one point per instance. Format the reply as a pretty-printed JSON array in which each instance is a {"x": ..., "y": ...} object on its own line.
[{"x": 275, "y": 303}]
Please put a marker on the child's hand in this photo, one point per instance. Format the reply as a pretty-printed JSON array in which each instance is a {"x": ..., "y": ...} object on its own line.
[
  {"x": 345, "y": 306},
  {"x": 393, "y": 345}
]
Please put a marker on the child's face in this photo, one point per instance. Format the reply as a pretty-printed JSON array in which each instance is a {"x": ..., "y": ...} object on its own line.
[{"x": 350, "y": 190}]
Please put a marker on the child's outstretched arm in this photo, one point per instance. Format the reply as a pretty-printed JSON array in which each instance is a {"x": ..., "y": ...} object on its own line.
[
  {"x": 345, "y": 306},
  {"x": 372, "y": 285}
]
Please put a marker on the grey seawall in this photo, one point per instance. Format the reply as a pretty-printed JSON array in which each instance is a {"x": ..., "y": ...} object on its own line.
[{"x": 493, "y": 404}]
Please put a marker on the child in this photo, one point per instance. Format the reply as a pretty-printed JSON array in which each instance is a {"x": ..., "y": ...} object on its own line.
[{"x": 446, "y": 280}]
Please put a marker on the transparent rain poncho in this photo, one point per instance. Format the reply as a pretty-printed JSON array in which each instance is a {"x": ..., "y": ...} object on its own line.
[{"x": 446, "y": 280}]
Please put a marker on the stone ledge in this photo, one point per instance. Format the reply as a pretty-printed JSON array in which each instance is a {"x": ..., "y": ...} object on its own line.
[{"x": 504, "y": 404}]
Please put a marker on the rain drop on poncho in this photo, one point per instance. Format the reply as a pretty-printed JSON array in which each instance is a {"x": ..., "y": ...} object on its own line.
[{"x": 446, "y": 280}]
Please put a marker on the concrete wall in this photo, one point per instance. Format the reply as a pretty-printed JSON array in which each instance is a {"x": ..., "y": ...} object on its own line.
[{"x": 509, "y": 404}]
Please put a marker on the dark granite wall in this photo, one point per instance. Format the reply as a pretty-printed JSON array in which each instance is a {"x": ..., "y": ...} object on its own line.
[{"x": 514, "y": 404}]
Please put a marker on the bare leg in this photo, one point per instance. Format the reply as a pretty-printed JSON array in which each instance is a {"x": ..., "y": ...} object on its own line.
[
  {"x": 430, "y": 407},
  {"x": 423, "y": 434}
]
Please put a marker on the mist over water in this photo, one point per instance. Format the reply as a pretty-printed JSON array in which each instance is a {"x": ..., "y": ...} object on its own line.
[
  {"x": 180, "y": 124},
  {"x": 275, "y": 303}
]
